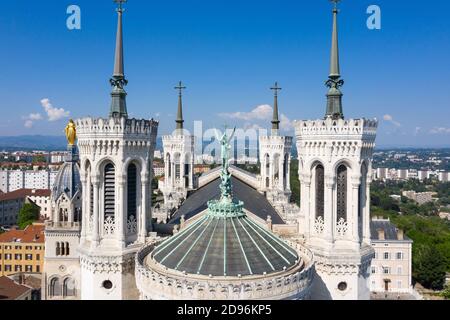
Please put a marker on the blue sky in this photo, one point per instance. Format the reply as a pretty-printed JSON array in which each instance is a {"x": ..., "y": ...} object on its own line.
[{"x": 228, "y": 53}]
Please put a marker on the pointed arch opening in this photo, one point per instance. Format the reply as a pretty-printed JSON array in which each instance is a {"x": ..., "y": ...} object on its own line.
[
  {"x": 109, "y": 194},
  {"x": 341, "y": 192},
  {"x": 320, "y": 190}
]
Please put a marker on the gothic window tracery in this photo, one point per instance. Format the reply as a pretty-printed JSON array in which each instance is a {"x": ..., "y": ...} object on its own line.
[
  {"x": 55, "y": 287},
  {"x": 69, "y": 287},
  {"x": 109, "y": 191},
  {"x": 132, "y": 191},
  {"x": 320, "y": 190},
  {"x": 342, "y": 173}
]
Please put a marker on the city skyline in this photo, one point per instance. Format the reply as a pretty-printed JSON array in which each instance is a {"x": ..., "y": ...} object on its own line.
[{"x": 54, "y": 73}]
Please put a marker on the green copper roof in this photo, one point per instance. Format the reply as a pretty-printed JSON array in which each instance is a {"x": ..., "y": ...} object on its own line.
[{"x": 225, "y": 242}]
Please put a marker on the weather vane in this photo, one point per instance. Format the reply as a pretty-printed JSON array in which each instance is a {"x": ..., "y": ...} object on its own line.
[
  {"x": 276, "y": 88},
  {"x": 180, "y": 87}
]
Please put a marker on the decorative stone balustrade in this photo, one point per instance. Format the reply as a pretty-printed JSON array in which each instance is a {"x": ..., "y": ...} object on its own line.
[{"x": 156, "y": 282}]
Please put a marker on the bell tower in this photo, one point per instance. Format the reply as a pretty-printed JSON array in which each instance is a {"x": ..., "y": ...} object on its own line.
[
  {"x": 116, "y": 154},
  {"x": 179, "y": 160},
  {"x": 275, "y": 159},
  {"x": 335, "y": 168}
]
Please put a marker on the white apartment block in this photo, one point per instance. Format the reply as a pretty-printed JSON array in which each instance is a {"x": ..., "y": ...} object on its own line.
[
  {"x": 419, "y": 197},
  {"x": 12, "y": 180},
  {"x": 391, "y": 269},
  {"x": 444, "y": 176}
]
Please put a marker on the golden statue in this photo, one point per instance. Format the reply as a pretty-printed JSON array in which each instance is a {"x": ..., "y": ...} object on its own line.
[{"x": 71, "y": 133}]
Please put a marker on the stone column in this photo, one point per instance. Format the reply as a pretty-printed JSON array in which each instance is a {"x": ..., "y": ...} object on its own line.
[
  {"x": 96, "y": 234},
  {"x": 166, "y": 172},
  {"x": 281, "y": 173},
  {"x": 85, "y": 205},
  {"x": 329, "y": 204},
  {"x": 191, "y": 173},
  {"x": 306, "y": 204},
  {"x": 288, "y": 174},
  {"x": 144, "y": 217},
  {"x": 182, "y": 173},
  {"x": 122, "y": 212},
  {"x": 271, "y": 173},
  {"x": 366, "y": 212},
  {"x": 353, "y": 219}
]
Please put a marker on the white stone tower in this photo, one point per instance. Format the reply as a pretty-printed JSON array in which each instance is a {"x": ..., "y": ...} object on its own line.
[
  {"x": 116, "y": 154},
  {"x": 179, "y": 155},
  {"x": 335, "y": 168},
  {"x": 275, "y": 160},
  {"x": 61, "y": 277}
]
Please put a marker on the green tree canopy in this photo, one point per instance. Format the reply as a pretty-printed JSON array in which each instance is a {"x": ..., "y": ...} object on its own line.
[
  {"x": 429, "y": 267},
  {"x": 27, "y": 215}
]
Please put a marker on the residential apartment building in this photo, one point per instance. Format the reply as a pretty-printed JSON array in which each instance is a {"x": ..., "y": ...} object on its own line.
[
  {"x": 12, "y": 202},
  {"x": 22, "y": 251},
  {"x": 391, "y": 269},
  {"x": 12, "y": 180},
  {"x": 419, "y": 197}
]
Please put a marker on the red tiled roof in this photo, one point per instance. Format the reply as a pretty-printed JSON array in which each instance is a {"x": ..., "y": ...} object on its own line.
[
  {"x": 31, "y": 234},
  {"x": 10, "y": 290},
  {"x": 23, "y": 193}
]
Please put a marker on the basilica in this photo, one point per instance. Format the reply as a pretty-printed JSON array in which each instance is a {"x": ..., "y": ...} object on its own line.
[{"x": 227, "y": 234}]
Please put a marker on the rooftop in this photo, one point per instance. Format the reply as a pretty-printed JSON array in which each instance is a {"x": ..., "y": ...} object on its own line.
[
  {"x": 23, "y": 193},
  {"x": 10, "y": 290},
  {"x": 32, "y": 234},
  {"x": 390, "y": 231}
]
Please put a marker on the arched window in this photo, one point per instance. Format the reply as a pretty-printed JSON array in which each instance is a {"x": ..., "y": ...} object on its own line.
[
  {"x": 132, "y": 190},
  {"x": 342, "y": 193},
  {"x": 58, "y": 249},
  {"x": 320, "y": 190},
  {"x": 267, "y": 161},
  {"x": 177, "y": 162},
  {"x": 109, "y": 191},
  {"x": 276, "y": 166},
  {"x": 62, "y": 250},
  {"x": 286, "y": 170},
  {"x": 55, "y": 287},
  {"x": 169, "y": 165},
  {"x": 67, "y": 249},
  {"x": 69, "y": 287}
]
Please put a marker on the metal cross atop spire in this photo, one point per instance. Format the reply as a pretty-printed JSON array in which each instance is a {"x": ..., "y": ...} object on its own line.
[
  {"x": 180, "y": 121},
  {"x": 335, "y": 3},
  {"x": 276, "y": 89},
  {"x": 120, "y": 4},
  {"x": 180, "y": 87},
  {"x": 276, "y": 119}
]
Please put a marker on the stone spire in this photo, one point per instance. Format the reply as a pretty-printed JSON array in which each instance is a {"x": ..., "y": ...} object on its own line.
[
  {"x": 180, "y": 122},
  {"x": 334, "y": 82},
  {"x": 118, "y": 81},
  {"x": 275, "y": 120}
]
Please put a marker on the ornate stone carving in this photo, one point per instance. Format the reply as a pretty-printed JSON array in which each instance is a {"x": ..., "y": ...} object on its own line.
[
  {"x": 131, "y": 225},
  {"x": 110, "y": 226},
  {"x": 341, "y": 228},
  {"x": 319, "y": 225}
]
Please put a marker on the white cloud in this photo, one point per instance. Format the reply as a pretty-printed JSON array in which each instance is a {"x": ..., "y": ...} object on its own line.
[
  {"x": 417, "y": 131},
  {"x": 286, "y": 124},
  {"x": 389, "y": 118},
  {"x": 54, "y": 114},
  {"x": 440, "y": 130},
  {"x": 31, "y": 119},
  {"x": 263, "y": 112},
  {"x": 29, "y": 124},
  {"x": 252, "y": 126}
]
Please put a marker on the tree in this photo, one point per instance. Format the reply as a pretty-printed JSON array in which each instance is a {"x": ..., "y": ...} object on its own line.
[
  {"x": 429, "y": 267},
  {"x": 27, "y": 215}
]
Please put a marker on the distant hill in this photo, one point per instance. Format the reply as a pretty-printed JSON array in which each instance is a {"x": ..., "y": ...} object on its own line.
[{"x": 29, "y": 143}]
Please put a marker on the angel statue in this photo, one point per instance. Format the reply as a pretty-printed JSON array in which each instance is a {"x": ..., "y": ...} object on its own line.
[
  {"x": 225, "y": 147},
  {"x": 225, "y": 176},
  {"x": 71, "y": 133}
]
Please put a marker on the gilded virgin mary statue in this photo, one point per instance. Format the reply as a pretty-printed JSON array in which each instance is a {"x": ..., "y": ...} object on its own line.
[{"x": 71, "y": 133}]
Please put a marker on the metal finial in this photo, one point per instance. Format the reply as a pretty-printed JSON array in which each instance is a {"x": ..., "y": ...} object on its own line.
[
  {"x": 276, "y": 89},
  {"x": 120, "y": 4},
  {"x": 335, "y": 3},
  {"x": 180, "y": 87}
]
